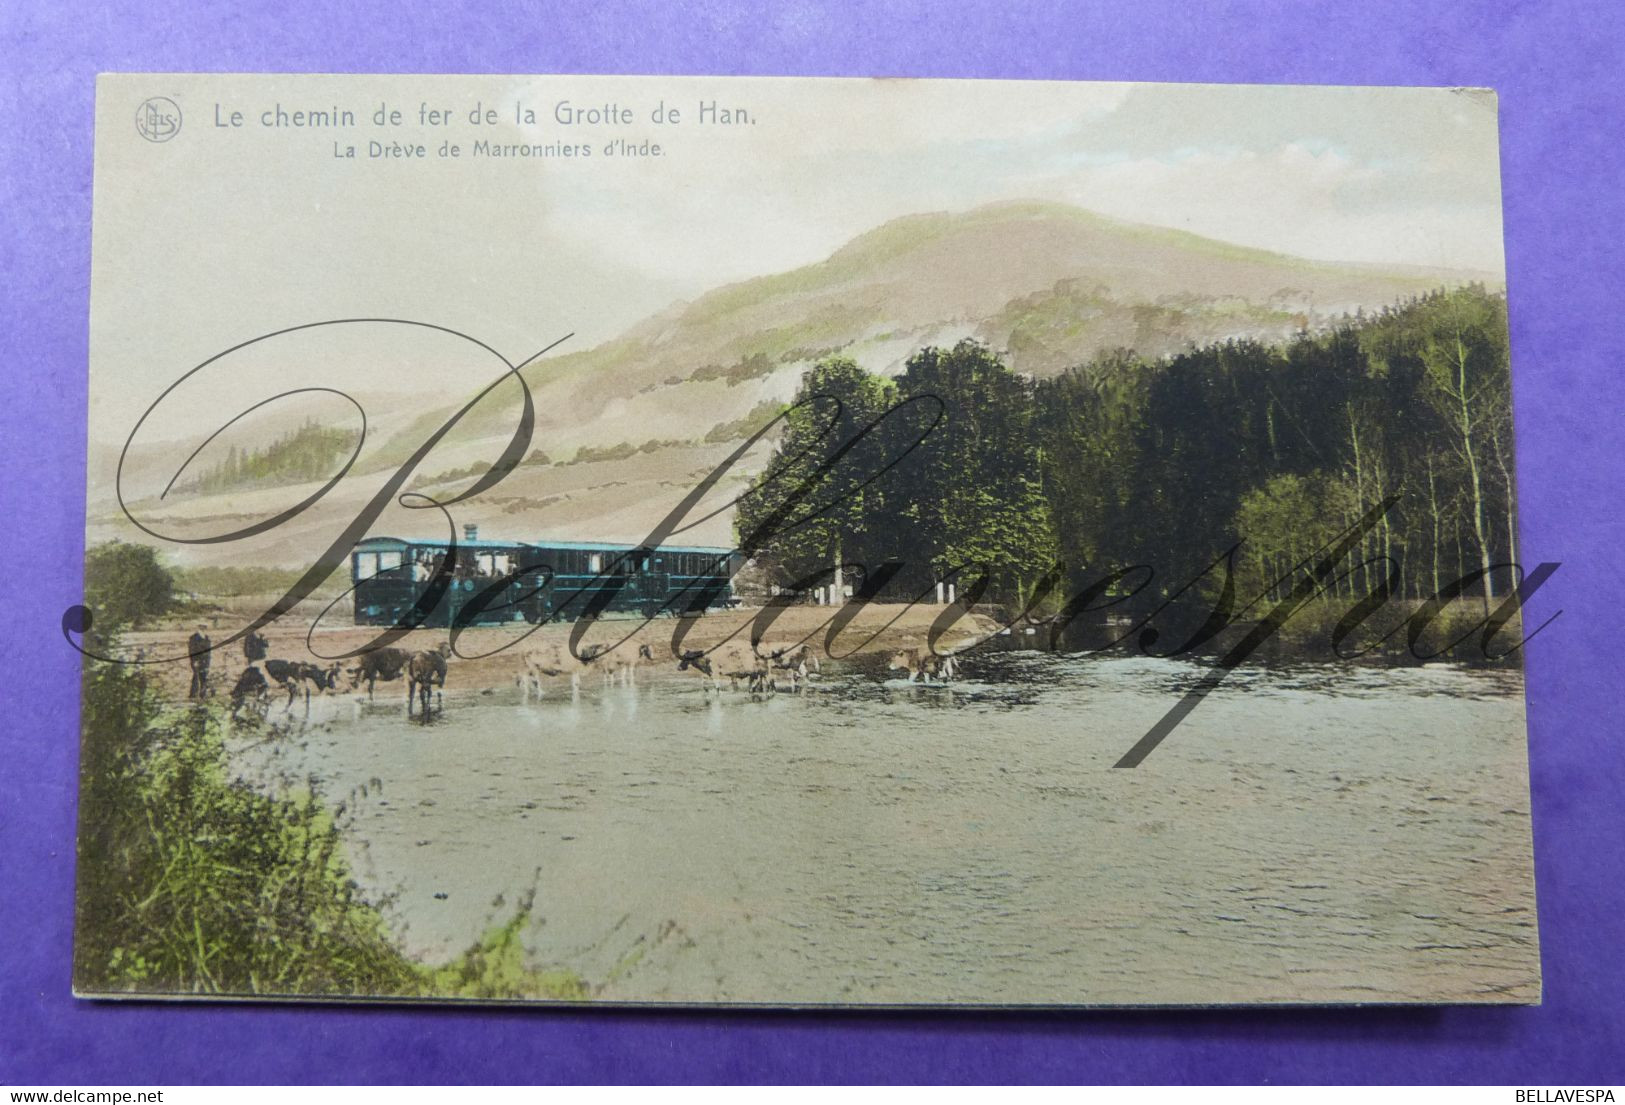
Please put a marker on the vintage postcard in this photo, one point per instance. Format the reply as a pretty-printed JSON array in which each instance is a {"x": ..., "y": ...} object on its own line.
[{"x": 800, "y": 542}]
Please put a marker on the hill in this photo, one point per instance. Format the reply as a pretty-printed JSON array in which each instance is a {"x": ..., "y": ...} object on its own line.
[{"x": 1046, "y": 285}]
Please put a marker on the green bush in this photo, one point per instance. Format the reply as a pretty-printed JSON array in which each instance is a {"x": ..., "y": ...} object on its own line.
[
  {"x": 126, "y": 586},
  {"x": 192, "y": 882},
  {"x": 1307, "y": 634},
  {"x": 747, "y": 368},
  {"x": 589, "y": 454},
  {"x": 494, "y": 969},
  {"x": 740, "y": 428}
]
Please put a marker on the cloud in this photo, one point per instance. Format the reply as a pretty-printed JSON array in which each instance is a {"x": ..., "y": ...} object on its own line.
[
  {"x": 1398, "y": 177},
  {"x": 1322, "y": 204},
  {"x": 276, "y": 231}
]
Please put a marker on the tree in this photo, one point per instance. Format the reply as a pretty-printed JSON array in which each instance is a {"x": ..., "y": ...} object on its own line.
[
  {"x": 1465, "y": 366},
  {"x": 126, "y": 586},
  {"x": 1089, "y": 421},
  {"x": 1283, "y": 525},
  {"x": 975, "y": 484},
  {"x": 1455, "y": 343},
  {"x": 817, "y": 505}
]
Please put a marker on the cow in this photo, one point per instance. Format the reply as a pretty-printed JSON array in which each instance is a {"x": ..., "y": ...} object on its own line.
[
  {"x": 551, "y": 660},
  {"x": 555, "y": 659},
  {"x": 384, "y": 663},
  {"x": 731, "y": 660},
  {"x": 424, "y": 671},
  {"x": 619, "y": 665},
  {"x": 250, "y": 687},
  {"x": 793, "y": 661},
  {"x": 924, "y": 664},
  {"x": 291, "y": 675}
]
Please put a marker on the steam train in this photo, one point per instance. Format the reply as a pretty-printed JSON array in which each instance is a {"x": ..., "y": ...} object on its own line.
[{"x": 481, "y": 582}]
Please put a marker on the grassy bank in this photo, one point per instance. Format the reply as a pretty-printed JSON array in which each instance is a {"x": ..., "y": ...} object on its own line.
[
  {"x": 192, "y": 882},
  {"x": 1453, "y": 635},
  {"x": 1314, "y": 633}
]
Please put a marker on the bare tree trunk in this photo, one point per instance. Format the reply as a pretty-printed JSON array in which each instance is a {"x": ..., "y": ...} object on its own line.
[
  {"x": 1359, "y": 493},
  {"x": 1471, "y": 456},
  {"x": 1511, "y": 504},
  {"x": 1386, "y": 531},
  {"x": 1433, "y": 506}
]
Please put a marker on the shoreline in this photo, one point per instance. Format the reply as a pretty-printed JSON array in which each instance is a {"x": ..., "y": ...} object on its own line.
[{"x": 489, "y": 657}]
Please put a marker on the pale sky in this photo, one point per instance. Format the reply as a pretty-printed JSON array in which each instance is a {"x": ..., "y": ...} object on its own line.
[
  {"x": 222, "y": 233},
  {"x": 1392, "y": 176}
]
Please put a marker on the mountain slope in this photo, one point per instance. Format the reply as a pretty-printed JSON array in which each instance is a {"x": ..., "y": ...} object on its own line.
[{"x": 1045, "y": 284}]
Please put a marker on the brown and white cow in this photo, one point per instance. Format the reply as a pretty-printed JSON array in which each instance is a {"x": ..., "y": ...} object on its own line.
[{"x": 555, "y": 659}]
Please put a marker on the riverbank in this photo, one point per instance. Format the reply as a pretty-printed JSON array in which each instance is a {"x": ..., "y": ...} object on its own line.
[{"x": 491, "y": 657}]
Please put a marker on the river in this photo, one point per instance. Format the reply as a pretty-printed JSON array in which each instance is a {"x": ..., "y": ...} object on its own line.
[{"x": 1311, "y": 834}]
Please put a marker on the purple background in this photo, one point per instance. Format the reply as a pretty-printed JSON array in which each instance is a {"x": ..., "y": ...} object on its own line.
[{"x": 1557, "y": 68}]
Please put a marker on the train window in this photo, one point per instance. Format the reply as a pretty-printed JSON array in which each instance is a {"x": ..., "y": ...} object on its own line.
[
  {"x": 366, "y": 564},
  {"x": 595, "y": 562},
  {"x": 388, "y": 560}
]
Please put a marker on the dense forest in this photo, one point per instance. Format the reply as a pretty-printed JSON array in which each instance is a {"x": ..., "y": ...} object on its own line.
[{"x": 1165, "y": 463}]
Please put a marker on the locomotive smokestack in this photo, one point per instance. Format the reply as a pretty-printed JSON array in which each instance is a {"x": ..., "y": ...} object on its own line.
[{"x": 471, "y": 532}]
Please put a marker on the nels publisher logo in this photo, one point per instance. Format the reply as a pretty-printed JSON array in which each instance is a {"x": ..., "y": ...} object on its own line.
[{"x": 158, "y": 119}]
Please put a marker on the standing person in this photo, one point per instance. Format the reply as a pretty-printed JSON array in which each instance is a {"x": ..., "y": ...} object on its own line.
[
  {"x": 255, "y": 647},
  {"x": 197, "y": 650}
]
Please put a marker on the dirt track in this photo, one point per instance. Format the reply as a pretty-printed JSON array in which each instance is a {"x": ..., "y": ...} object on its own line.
[{"x": 492, "y": 656}]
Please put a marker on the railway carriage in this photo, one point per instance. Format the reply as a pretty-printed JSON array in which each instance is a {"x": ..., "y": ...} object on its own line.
[{"x": 396, "y": 581}]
